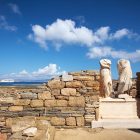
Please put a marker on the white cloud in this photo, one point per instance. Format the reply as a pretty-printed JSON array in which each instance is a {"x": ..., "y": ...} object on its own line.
[
  {"x": 45, "y": 73},
  {"x": 51, "y": 69},
  {"x": 4, "y": 24},
  {"x": 101, "y": 52},
  {"x": 103, "y": 33},
  {"x": 23, "y": 72},
  {"x": 66, "y": 31},
  {"x": 63, "y": 32},
  {"x": 14, "y": 8},
  {"x": 121, "y": 33}
]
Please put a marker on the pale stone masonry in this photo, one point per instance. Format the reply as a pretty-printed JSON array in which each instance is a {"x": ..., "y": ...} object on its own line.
[
  {"x": 68, "y": 101},
  {"x": 71, "y": 100}
]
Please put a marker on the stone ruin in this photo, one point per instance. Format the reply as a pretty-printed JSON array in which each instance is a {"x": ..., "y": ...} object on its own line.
[
  {"x": 72, "y": 100},
  {"x": 68, "y": 101}
]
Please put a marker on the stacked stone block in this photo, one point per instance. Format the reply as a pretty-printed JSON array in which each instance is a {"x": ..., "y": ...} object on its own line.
[{"x": 71, "y": 100}]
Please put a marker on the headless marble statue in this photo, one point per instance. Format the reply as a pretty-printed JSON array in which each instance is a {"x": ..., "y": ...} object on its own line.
[
  {"x": 125, "y": 76},
  {"x": 106, "y": 81}
]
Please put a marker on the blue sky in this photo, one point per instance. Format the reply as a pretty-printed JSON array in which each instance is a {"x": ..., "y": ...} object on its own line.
[{"x": 41, "y": 38}]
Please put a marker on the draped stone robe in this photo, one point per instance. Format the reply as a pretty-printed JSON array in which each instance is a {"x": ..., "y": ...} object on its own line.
[
  {"x": 125, "y": 76},
  {"x": 106, "y": 80}
]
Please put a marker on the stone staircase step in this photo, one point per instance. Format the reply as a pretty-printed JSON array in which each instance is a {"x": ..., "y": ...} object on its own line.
[{"x": 117, "y": 123}]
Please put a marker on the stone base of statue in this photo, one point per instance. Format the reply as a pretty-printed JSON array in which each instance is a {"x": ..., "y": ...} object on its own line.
[
  {"x": 118, "y": 108},
  {"x": 118, "y": 113}
]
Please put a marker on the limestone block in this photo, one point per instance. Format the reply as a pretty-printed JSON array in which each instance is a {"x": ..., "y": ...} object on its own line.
[
  {"x": 61, "y": 103},
  {"x": 6, "y": 100},
  {"x": 113, "y": 108},
  {"x": 55, "y": 92},
  {"x": 77, "y": 101},
  {"x": 42, "y": 124},
  {"x": 80, "y": 121},
  {"x": 74, "y": 84},
  {"x": 47, "y": 134},
  {"x": 44, "y": 95},
  {"x": 66, "y": 77},
  {"x": 75, "y": 73},
  {"x": 22, "y": 102},
  {"x": 68, "y": 91},
  {"x": 30, "y": 132},
  {"x": 50, "y": 103},
  {"x": 92, "y": 83},
  {"x": 17, "y": 136},
  {"x": 28, "y": 95},
  {"x": 70, "y": 121},
  {"x": 20, "y": 123},
  {"x": 57, "y": 121},
  {"x": 56, "y": 84},
  {"x": 4, "y": 108},
  {"x": 84, "y": 78},
  {"x": 36, "y": 103},
  {"x": 15, "y": 108}
]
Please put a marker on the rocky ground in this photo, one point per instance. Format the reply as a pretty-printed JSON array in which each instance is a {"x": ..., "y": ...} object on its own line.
[{"x": 97, "y": 134}]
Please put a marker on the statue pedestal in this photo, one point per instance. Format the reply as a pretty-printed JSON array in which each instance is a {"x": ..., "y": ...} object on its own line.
[
  {"x": 112, "y": 108},
  {"x": 118, "y": 113}
]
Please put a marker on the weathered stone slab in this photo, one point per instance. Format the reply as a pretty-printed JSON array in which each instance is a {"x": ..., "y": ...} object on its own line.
[
  {"x": 20, "y": 123},
  {"x": 74, "y": 84},
  {"x": 44, "y": 95},
  {"x": 61, "y": 103},
  {"x": 80, "y": 121},
  {"x": 57, "y": 121},
  {"x": 56, "y": 84},
  {"x": 66, "y": 77},
  {"x": 117, "y": 123},
  {"x": 70, "y": 121},
  {"x": 15, "y": 108},
  {"x": 84, "y": 78},
  {"x": 30, "y": 132},
  {"x": 50, "y": 103},
  {"x": 77, "y": 101},
  {"x": 22, "y": 102},
  {"x": 17, "y": 136},
  {"x": 6, "y": 100},
  {"x": 42, "y": 123},
  {"x": 55, "y": 92},
  {"x": 28, "y": 95},
  {"x": 68, "y": 91},
  {"x": 92, "y": 83},
  {"x": 36, "y": 103},
  {"x": 118, "y": 108}
]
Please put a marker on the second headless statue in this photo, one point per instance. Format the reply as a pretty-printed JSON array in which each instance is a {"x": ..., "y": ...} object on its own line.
[{"x": 125, "y": 76}]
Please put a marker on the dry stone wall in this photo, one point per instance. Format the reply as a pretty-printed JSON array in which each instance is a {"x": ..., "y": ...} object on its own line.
[{"x": 70, "y": 100}]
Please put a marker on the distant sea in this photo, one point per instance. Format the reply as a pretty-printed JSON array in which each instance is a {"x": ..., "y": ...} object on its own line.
[{"x": 18, "y": 84}]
